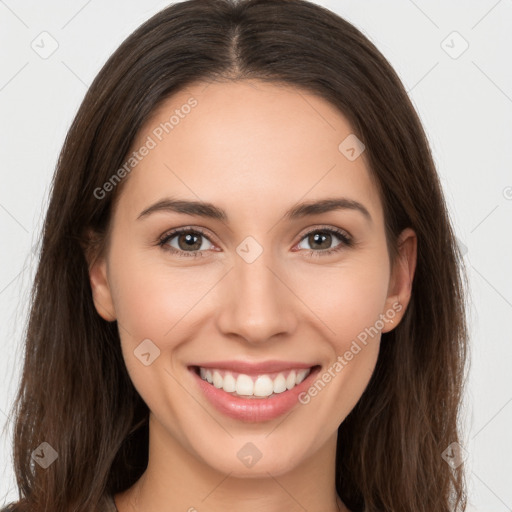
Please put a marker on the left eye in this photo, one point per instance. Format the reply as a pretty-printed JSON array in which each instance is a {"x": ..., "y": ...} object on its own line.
[{"x": 323, "y": 238}]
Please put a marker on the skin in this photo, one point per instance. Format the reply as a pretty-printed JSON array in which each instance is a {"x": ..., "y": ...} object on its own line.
[{"x": 255, "y": 150}]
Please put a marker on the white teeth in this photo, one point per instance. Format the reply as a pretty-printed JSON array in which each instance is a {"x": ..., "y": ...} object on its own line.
[
  {"x": 279, "y": 384},
  {"x": 217, "y": 379},
  {"x": 244, "y": 385},
  {"x": 262, "y": 386},
  {"x": 301, "y": 375},
  {"x": 290, "y": 381},
  {"x": 229, "y": 383}
]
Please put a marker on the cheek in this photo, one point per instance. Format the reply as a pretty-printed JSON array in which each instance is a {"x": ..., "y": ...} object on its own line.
[
  {"x": 155, "y": 302},
  {"x": 152, "y": 297},
  {"x": 348, "y": 298},
  {"x": 350, "y": 306},
  {"x": 361, "y": 301},
  {"x": 348, "y": 302},
  {"x": 152, "y": 301}
]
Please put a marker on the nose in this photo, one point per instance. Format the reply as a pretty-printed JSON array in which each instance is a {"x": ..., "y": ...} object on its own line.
[{"x": 257, "y": 303}]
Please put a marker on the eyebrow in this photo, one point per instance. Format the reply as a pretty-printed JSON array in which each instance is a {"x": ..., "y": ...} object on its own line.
[{"x": 209, "y": 210}]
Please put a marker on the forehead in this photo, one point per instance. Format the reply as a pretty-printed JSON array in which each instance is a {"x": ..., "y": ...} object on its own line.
[{"x": 246, "y": 142}]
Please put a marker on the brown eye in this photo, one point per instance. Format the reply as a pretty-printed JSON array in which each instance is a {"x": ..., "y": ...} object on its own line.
[
  {"x": 189, "y": 241},
  {"x": 186, "y": 242},
  {"x": 320, "y": 241}
]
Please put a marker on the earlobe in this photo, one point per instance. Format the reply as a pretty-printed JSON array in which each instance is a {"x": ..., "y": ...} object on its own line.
[
  {"x": 400, "y": 285},
  {"x": 101, "y": 293}
]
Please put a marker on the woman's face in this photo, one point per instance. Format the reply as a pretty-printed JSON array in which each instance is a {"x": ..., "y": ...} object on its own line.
[{"x": 286, "y": 291}]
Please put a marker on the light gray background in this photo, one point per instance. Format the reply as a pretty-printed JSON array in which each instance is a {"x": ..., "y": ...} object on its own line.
[{"x": 465, "y": 104}]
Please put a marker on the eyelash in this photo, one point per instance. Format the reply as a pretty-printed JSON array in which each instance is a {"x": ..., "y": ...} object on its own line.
[{"x": 346, "y": 241}]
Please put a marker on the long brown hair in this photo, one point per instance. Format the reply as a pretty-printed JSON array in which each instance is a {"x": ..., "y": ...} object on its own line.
[{"x": 75, "y": 393}]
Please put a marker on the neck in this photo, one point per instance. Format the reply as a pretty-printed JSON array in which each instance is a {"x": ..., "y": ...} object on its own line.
[{"x": 175, "y": 479}]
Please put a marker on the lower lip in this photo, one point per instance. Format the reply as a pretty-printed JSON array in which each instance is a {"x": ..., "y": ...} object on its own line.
[{"x": 253, "y": 410}]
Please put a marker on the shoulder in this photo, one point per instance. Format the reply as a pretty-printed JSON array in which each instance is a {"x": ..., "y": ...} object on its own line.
[
  {"x": 107, "y": 504},
  {"x": 12, "y": 507}
]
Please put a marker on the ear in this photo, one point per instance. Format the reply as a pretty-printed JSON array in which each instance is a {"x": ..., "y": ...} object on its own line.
[
  {"x": 98, "y": 277},
  {"x": 400, "y": 284}
]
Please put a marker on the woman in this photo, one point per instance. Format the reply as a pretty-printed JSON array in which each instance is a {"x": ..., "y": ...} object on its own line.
[{"x": 190, "y": 346}]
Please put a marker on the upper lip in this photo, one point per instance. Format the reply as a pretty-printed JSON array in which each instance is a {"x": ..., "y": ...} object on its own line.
[{"x": 248, "y": 367}]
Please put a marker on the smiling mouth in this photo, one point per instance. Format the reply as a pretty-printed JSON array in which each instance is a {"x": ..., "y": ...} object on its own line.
[{"x": 257, "y": 386}]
